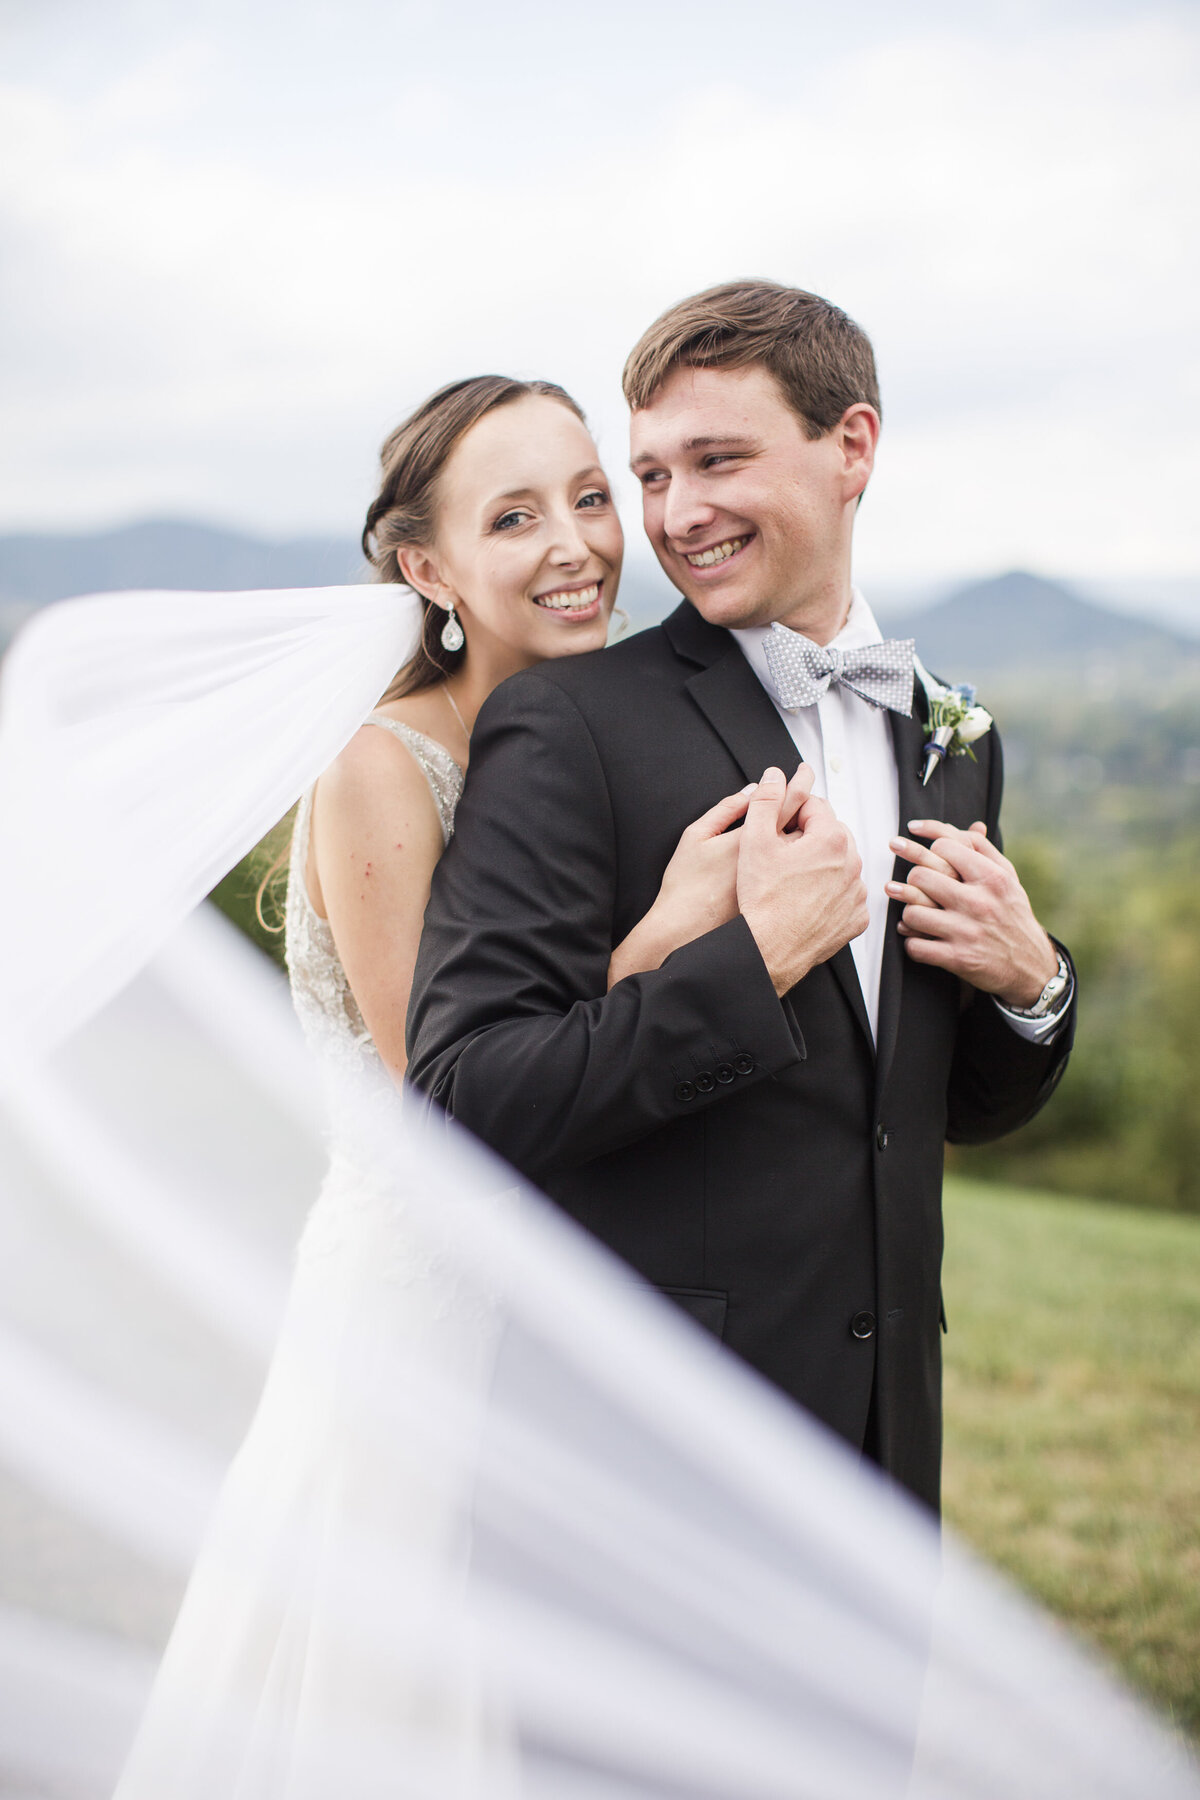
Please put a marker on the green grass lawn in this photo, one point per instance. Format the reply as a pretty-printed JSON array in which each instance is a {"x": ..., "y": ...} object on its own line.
[{"x": 1073, "y": 1418}]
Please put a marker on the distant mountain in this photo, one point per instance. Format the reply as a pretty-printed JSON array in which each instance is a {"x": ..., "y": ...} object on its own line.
[
  {"x": 36, "y": 567},
  {"x": 991, "y": 631},
  {"x": 1022, "y": 625}
]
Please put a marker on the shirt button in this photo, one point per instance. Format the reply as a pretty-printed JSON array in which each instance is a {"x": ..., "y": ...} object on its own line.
[
  {"x": 685, "y": 1091},
  {"x": 862, "y": 1325},
  {"x": 835, "y": 763},
  {"x": 704, "y": 1082},
  {"x": 743, "y": 1063}
]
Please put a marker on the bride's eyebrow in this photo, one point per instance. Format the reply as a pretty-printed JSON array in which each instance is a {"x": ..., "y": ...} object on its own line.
[{"x": 527, "y": 493}]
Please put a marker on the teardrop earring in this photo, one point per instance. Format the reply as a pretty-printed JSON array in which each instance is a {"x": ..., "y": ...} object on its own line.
[{"x": 452, "y": 631}]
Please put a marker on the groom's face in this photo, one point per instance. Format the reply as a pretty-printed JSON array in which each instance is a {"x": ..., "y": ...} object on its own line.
[{"x": 749, "y": 516}]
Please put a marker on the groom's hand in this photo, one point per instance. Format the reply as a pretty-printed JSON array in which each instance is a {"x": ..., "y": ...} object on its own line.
[
  {"x": 799, "y": 878},
  {"x": 966, "y": 911}
]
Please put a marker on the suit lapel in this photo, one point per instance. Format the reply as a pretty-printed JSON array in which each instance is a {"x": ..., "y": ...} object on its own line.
[
  {"x": 731, "y": 697},
  {"x": 916, "y": 802}
]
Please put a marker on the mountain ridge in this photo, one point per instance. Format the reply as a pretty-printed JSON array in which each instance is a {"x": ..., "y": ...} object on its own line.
[
  {"x": 1008, "y": 625},
  {"x": 1021, "y": 624},
  {"x": 37, "y": 567}
]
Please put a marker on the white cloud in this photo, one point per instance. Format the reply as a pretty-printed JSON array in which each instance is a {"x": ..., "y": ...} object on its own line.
[{"x": 220, "y": 311}]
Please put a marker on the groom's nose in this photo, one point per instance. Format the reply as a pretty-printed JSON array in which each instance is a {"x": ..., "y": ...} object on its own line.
[{"x": 685, "y": 509}]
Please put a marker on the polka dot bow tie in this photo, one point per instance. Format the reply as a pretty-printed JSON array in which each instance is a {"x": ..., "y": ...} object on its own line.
[{"x": 802, "y": 671}]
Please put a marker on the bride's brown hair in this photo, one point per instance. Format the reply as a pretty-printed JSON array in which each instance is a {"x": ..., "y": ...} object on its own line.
[{"x": 405, "y": 509}]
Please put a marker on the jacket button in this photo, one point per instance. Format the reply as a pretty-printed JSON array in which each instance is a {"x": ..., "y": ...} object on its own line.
[
  {"x": 724, "y": 1072},
  {"x": 881, "y": 1138},
  {"x": 862, "y": 1325},
  {"x": 704, "y": 1082},
  {"x": 743, "y": 1063},
  {"x": 685, "y": 1091}
]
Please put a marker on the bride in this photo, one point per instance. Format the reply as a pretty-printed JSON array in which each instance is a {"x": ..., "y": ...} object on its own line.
[{"x": 495, "y": 511}]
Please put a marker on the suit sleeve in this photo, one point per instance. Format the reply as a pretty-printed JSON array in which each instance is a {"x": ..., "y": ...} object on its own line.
[
  {"x": 999, "y": 1080},
  {"x": 509, "y": 1027}
]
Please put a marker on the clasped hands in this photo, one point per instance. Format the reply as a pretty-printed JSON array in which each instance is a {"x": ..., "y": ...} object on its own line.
[{"x": 794, "y": 873}]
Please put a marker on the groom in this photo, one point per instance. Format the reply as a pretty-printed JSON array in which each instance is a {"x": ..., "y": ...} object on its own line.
[{"x": 757, "y": 1126}]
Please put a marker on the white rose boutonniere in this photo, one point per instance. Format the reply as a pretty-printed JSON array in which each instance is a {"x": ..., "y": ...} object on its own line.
[{"x": 955, "y": 721}]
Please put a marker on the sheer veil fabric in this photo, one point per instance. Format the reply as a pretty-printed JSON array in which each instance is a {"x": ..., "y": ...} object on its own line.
[{"x": 533, "y": 1534}]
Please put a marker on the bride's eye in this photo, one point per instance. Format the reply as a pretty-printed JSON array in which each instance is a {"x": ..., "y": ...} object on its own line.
[
  {"x": 507, "y": 521},
  {"x": 596, "y": 497}
]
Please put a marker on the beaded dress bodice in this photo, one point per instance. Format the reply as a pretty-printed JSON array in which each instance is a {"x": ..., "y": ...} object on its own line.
[
  {"x": 328, "y": 1011},
  {"x": 362, "y": 1222}
]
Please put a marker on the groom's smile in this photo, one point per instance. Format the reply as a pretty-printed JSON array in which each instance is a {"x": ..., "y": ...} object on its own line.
[{"x": 719, "y": 553}]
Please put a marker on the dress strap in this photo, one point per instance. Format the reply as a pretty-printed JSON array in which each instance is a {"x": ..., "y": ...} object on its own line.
[{"x": 414, "y": 739}]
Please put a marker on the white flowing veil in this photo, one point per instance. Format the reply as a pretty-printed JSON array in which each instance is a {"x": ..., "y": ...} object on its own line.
[{"x": 586, "y": 1553}]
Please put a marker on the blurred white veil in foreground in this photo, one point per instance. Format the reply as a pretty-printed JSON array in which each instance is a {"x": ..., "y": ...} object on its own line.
[{"x": 533, "y": 1534}]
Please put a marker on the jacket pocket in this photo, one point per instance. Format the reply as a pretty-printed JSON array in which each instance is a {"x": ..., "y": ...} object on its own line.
[{"x": 707, "y": 1306}]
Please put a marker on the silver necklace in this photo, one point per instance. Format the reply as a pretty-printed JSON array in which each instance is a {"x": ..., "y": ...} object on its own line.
[{"x": 457, "y": 714}]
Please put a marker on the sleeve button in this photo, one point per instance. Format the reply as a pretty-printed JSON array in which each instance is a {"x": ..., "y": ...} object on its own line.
[
  {"x": 704, "y": 1082},
  {"x": 743, "y": 1063},
  {"x": 862, "y": 1325},
  {"x": 686, "y": 1091},
  {"x": 881, "y": 1138},
  {"x": 724, "y": 1072}
]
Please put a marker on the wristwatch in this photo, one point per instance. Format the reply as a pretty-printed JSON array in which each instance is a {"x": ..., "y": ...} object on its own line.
[{"x": 1050, "y": 995}]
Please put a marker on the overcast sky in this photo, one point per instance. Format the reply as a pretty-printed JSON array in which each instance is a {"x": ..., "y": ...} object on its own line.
[{"x": 242, "y": 237}]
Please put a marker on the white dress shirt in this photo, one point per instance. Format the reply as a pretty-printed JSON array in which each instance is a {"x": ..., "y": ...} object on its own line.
[{"x": 848, "y": 744}]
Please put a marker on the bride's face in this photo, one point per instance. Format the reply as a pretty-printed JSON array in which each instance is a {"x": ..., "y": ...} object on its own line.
[{"x": 528, "y": 542}]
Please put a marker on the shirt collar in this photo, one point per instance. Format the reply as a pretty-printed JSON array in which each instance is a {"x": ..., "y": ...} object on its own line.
[{"x": 861, "y": 628}]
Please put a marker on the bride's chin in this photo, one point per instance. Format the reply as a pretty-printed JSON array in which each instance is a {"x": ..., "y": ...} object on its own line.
[{"x": 568, "y": 639}]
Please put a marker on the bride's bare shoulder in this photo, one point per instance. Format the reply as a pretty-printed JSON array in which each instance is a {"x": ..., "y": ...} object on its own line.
[{"x": 376, "y": 772}]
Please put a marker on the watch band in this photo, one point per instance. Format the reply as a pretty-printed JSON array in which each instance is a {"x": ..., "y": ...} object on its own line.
[{"x": 1050, "y": 994}]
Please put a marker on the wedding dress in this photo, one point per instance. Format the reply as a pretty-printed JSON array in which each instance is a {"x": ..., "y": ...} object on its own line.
[
  {"x": 263, "y": 1676},
  {"x": 505, "y": 1524}
]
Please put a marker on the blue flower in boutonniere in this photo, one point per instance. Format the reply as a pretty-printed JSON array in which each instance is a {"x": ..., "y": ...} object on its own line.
[{"x": 955, "y": 721}]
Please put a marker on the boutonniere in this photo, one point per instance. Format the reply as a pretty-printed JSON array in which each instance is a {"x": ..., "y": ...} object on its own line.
[{"x": 955, "y": 722}]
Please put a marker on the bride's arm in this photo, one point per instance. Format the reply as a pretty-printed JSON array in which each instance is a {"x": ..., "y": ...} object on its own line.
[{"x": 375, "y": 841}]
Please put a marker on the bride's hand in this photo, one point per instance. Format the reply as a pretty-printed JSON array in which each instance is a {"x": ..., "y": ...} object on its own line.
[{"x": 698, "y": 891}]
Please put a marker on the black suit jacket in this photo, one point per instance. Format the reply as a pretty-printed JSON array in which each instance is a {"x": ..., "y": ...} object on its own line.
[{"x": 758, "y": 1159}]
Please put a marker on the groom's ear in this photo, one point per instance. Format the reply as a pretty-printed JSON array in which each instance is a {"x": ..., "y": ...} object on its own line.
[
  {"x": 419, "y": 569},
  {"x": 857, "y": 433}
]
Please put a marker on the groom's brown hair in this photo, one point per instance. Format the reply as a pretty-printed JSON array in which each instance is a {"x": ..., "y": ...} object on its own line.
[{"x": 821, "y": 359}]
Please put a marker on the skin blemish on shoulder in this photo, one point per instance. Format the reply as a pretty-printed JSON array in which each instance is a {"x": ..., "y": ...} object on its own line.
[{"x": 367, "y": 870}]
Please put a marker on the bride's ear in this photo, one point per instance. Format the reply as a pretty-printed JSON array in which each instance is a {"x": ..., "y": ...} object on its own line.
[{"x": 420, "y": 570}]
